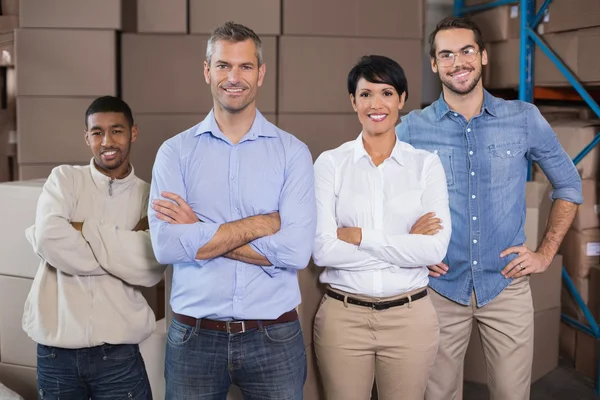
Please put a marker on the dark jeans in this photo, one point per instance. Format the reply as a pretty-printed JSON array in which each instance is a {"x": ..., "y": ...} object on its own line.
[
  {"x": 107, "y": 372},
  {"x": 267, "y": 364}
]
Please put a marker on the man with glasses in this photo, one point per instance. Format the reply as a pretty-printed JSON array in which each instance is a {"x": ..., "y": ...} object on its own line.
[{"x": 484, "y": 144}]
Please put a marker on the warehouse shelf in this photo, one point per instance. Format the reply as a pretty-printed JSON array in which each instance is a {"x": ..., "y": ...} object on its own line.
[{"x": 527, "y": 92}]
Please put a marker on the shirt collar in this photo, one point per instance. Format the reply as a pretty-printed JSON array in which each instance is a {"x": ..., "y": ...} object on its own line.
[
  {"x": 489, "y": 105},
  {"x": 102, "y": 181},
  {"x": 360, "y": 152},
  {"x": 259, "y": 127}
]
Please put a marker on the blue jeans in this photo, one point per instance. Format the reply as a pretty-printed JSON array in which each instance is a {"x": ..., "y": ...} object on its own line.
[
  {"x": 267, "y": 364},
  {"x": 106, "y": 372}
]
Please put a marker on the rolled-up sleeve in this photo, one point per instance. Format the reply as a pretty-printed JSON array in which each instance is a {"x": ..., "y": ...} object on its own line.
[
  {"x": 546, "y": 150},
  {"x": 291, "y": 246},
  {"x": 174, "y": 243}
]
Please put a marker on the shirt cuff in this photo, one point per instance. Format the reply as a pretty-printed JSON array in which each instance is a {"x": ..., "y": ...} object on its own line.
[
  {"x": 371, "y": 239},
  {"x": 197, "y": 236},
  {"x": 569, "y": 194},
  {"x": 265, "y": 246}
]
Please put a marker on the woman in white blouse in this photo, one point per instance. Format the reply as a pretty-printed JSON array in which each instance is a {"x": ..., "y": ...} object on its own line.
[{"x": 383, "y": 216}]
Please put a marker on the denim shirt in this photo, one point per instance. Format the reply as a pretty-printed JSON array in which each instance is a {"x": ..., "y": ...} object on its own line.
[{"x": 486, "y": 160}]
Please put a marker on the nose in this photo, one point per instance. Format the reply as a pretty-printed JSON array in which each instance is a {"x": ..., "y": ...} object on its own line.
[
  {"x": 107, "y": 140},
  {"x": 375, "y": 102},
  {"x": 234, "y": 75}
]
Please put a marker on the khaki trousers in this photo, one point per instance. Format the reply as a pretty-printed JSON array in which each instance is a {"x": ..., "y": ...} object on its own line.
[
  {"x": 506, "y": 329},
  {"x": 355, "y": 345}
]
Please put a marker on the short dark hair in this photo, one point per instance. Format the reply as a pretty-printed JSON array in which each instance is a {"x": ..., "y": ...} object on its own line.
[
  {"x": 378, "y": 69},
  {"x": 455, "y": 23},
  {"x": 108, "y": 104},
  {"x": 234, "y": 33}
]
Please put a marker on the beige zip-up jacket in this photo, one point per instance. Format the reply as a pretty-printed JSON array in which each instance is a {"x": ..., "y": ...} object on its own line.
[{"x": 84, "y": 293}]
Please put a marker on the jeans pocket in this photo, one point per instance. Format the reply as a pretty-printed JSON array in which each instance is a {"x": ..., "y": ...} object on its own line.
[
  {"x": 116, "y": 352},
  {"x": 45, "y": 351},
  {"x": 283, "y": 333},
  {"x": 179, "y": 333}
]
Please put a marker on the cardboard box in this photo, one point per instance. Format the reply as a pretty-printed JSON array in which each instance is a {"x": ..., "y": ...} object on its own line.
[
  {"x": 18, "y": 204},
  {"x": 324, "y": 90},
  {"x": 499, "y": 23},
  {"x": 577, "y": 50},
  {"x": 60, "y": 62},
  {"x": 10, "y": 7},
  {"x": 586, "y": 355},
  {"x": 567, "y": 342},
  {"x": 51, "y": 129},
  {"x": 22, "y": 380},
  {"x": 262, "y": 16},
  {"x": 503, "y": 64},
  {"x": 545, "y": 352},
  {"x": 8, "y": 23},
  {"x": 163, "y": 74},
  {"x": 587, "y": 216},
  {"x": 15, "y": 346},
  {"x": 566, "y": 15},
  {"x": 321, "y": 132},
  {"x": 374, "y": 18},
  {"x": 81, "y": 14},
  {"x": 155, "y": 16},
  {"x": 546, "y": 287},
  {"x": 589, "y": 290},
  {"x": 538, "y": 202},
  {"x": 580, "y": 251}
]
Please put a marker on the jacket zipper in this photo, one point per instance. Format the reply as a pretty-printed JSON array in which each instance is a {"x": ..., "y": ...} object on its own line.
[{"x": 110, "y": 183}]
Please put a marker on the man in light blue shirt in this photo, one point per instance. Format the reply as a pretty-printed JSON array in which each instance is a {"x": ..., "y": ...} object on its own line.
[
  {"x": 484, "y": 144},
  {"x": 234, "y": 212}
]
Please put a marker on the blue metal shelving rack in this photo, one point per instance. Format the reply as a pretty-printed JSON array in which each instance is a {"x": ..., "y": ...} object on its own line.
[{"x": 529, "y": 39}]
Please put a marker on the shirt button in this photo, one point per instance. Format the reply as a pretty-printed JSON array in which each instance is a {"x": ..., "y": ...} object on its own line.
[
  {"x": 473, "y": 196},
  {"x": 475, "y": 241},
  {"x": 471, "y": 152},
  {"x": 474, "y": 262},
  {"x": 455, "y": 114},
  {"x": 233, "y": 178},
  {"x": 507, "y": 151},
  {"x": 473, "y": 173},
  {"x": 468, "y": 129},
  {"x": 474, "y": 218},
  {"x": 435, "y": 151}
]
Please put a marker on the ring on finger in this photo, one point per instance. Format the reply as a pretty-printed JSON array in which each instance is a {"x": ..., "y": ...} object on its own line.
[{"x": 521, "y": 266}]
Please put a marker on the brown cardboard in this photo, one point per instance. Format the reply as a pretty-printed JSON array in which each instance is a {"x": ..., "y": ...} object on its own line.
[
  {"x": 545, "y": 287},
  {"x": 15, "y": 346},
  {"x": 399, "y": 19},
  {"x": 503, "y": 64},
  {"x": 587, "y": 216},
  {"x": 321, "y": 132},
  {"x": 322, "y": 88},
  {"x": 262, "y": 16},
  {"x": 499, "y": 23},
  {"x": 580, "y": 251},
  {"x": 545, "y": 351},
  {"x": 586, "y": 355},
  {"x": 10, "y": 7},
  {"x": 22, "y": 380},
  {"x": 164, "y": 74},
  {"x": 82, "y": 14},
  {"x": 18, "y": 204},
  {"x": 538, "y": 203},
  {"x": 312, "y": 292},
  {"x": 8, "y": 23},
  {"x": 567, "y": 342},
  {"x": 51, "y": 129},
  {"x": 574, "y": 135},
  {"x": 565, "y": 15},
  {"x": 62, "y": 62},
  {"x": 160, "y": 16}
]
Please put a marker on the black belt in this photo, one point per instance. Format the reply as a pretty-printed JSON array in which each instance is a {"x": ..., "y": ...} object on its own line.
[{"x": 378, "y": 305}]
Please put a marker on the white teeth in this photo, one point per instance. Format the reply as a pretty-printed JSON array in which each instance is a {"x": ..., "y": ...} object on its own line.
[
  {"x": 109, "y": 153},
  {"x": 234, "y": 90},
  {"x": 378, "y": 117}
]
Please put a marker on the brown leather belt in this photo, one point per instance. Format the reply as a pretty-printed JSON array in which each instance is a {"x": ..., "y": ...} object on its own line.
[{"x": 235, "y": 326}]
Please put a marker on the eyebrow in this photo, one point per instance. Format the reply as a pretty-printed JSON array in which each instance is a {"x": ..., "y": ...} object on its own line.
[
  {"x": 469, "y": 46},
  {"x": 99, "y": 128}
]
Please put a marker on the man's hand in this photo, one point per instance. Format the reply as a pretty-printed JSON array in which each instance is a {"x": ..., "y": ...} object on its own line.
[
  {"x": 427, "y": 225},
  {"x": 77, "y": 225},
  {"x": 437, "y": 270},
  {"x": 174, "y": 212},
  {"x": 142, "y": 225},
  {"x": 528, "y": 262},
  {"x": 350, "y": 235}
]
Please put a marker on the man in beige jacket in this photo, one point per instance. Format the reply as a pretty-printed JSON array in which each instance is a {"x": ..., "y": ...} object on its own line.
[{"x": 84, "y": 309}]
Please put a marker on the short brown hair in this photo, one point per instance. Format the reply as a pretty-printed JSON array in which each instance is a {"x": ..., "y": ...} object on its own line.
[
  {"x": 455, "y": 23},
  {"x": 235, "y": 33}
]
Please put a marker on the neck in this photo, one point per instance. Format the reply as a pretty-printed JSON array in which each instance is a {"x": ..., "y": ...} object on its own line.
[
  {"x": 118, "y": 173},
  {"x": 379, "y": 147},
  {"x": 235, "y": 125},
  {"x": 469, "y": 104}
]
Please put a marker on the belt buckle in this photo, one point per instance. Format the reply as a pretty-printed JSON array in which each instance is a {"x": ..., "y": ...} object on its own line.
[{"x": 229, "y": 323}]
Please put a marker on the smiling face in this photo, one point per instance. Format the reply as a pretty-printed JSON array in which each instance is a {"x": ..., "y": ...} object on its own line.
[
  {"x": 109, "y": 136},
  {"x": 459, "y": 74},
  {"x": 234, "y": 75},
  {"x": 377, "y": 106}
]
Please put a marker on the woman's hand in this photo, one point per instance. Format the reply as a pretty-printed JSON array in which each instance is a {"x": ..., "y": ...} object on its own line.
[{"x": 427, "y": 225}]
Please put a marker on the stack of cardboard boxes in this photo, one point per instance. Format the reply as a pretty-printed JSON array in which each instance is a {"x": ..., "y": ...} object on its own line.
[{"x": 9, "y": 21}]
